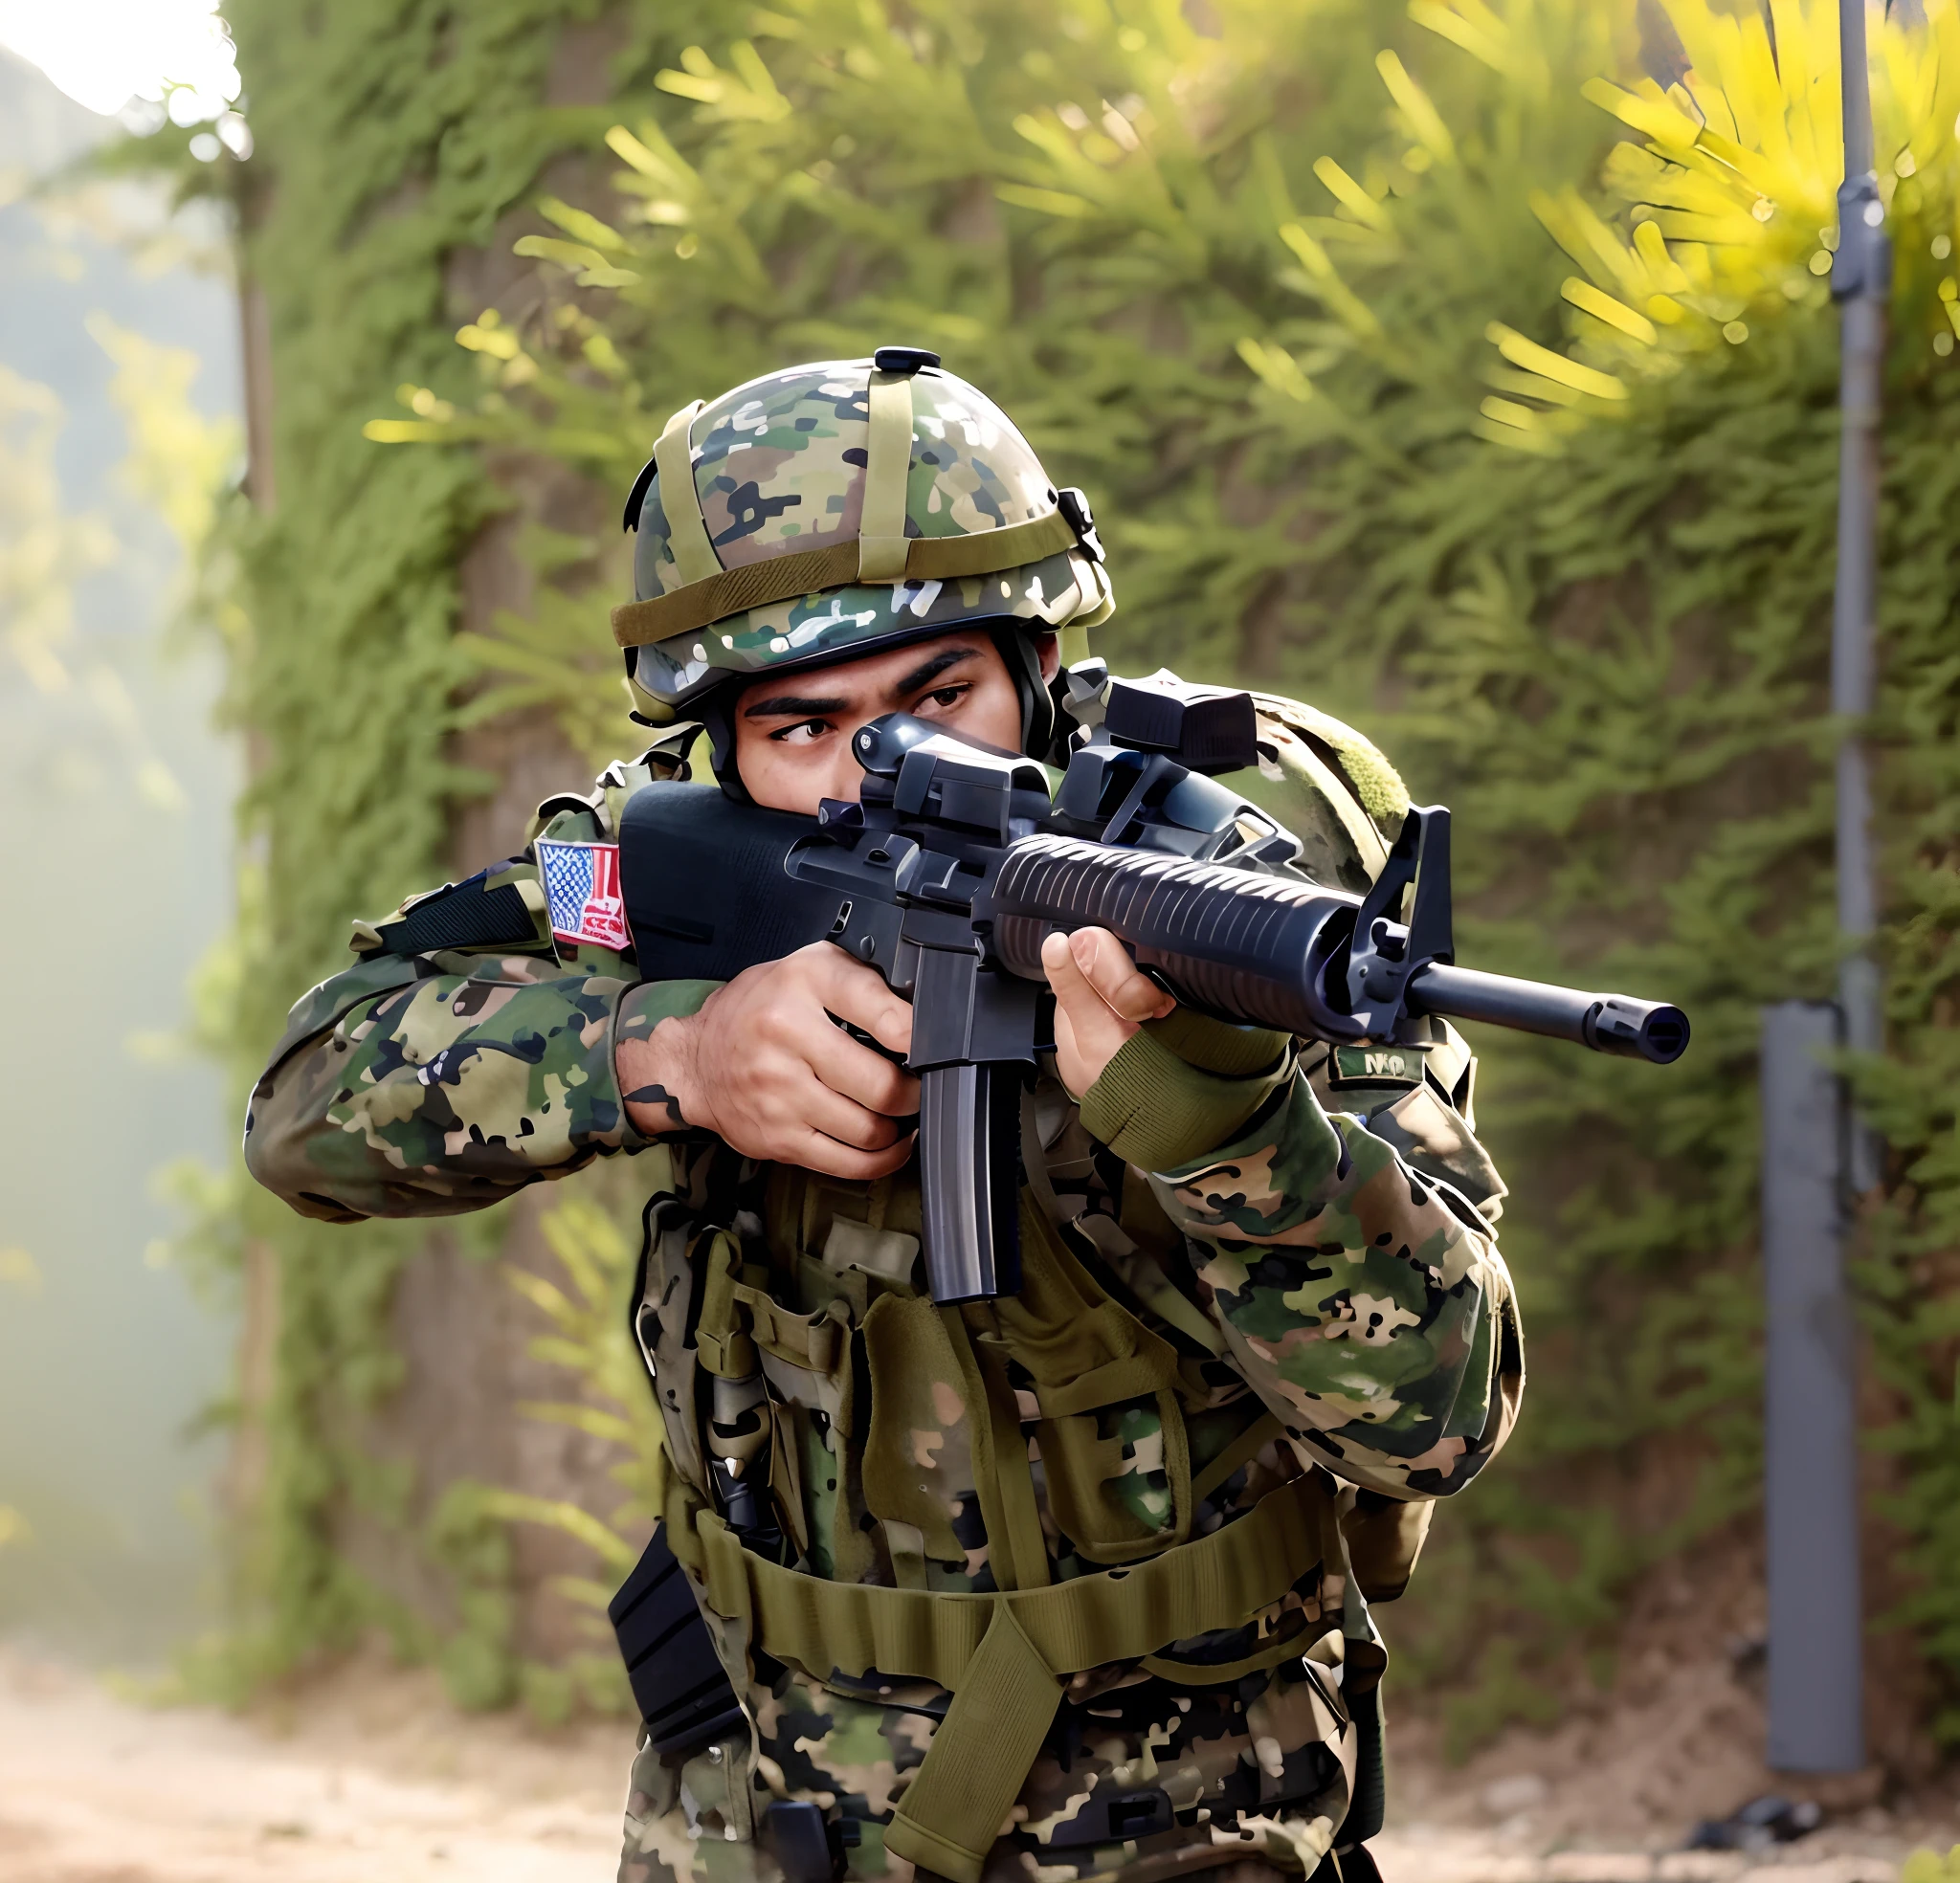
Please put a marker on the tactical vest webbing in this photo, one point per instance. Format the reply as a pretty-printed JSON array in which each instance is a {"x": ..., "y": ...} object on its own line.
[
  {"x": 1278, "y": 1574},
  {"x": 1004, "y": 1657}
]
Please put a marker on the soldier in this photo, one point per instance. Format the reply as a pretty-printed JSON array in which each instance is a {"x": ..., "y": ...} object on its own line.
[{"x": 1071, "y": 1582}]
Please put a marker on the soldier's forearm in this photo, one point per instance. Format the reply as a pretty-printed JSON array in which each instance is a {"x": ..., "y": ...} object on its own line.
[
  {"x": 1159, "y": 1104},
  {"x": 768, "y": 1063},
  {"x": 445, "y": 1094},
  {"x": 655, "y": 1055},
  {"x": 654, "y": 1070}
]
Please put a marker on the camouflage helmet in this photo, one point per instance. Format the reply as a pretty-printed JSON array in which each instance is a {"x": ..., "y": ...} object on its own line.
[{"x": 801, "y": 536}]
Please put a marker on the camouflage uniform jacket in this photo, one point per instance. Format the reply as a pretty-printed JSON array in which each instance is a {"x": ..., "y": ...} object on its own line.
[{"x": 1254, "y": 1266}]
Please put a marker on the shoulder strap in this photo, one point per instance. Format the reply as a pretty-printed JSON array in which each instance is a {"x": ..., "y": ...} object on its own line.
[
  {"x": 469, "y": 914},
  {"x": 666, "y": 758}
]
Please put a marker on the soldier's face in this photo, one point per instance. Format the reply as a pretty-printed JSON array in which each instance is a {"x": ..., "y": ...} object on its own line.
[{"x": 793, "y": 732}]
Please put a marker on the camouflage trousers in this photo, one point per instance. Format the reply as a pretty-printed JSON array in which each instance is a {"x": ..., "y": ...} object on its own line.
[{"x": 1256, "y": 1777}]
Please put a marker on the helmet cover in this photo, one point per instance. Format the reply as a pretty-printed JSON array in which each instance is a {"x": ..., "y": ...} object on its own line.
[{"x": 781, "y": 467}]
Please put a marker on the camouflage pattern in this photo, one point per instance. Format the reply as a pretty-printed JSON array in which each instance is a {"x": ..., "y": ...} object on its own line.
[
  {"x": 1220, "y": 1754},
  {"x": 442, "y": 1094},
  {"x": 1364, "y": 1300},
  {"x": 1317, "y": 1300},
  {"x": 426, "y": 1085},
  {"x": 779, "y": 468}
]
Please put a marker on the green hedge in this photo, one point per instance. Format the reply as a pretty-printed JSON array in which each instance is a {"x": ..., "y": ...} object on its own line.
[
  {"x": 1318, "y": 302},
  {"x": 387, "y": 137}
]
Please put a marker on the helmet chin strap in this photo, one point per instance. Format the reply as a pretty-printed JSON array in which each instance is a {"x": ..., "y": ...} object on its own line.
[
  {"x": 717, "y": 716},
  {"x": 1021, "y": 653}
]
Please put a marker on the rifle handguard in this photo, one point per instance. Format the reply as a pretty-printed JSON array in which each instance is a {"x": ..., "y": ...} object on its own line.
[
  {"x": 1251, "y": 949},
  {"x": 1267, "y": 946}
]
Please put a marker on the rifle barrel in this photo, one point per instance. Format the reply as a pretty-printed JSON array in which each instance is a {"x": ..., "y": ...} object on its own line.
[{"x": 1607, "y": 1023}]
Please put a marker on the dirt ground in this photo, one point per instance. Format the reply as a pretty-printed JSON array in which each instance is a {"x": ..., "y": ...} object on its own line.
[{"x": 370, "y": 1777}]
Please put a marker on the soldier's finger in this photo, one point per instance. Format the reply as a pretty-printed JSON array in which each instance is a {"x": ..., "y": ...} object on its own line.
[
  {"x": 1088, "y": 1033},
  {"x": 815, "y": 1151},
  {"x": 855, "y": 992},
  {"x": 843, "y": 1119},
  {"x": 1119, "y": 984},
  {"x": 857, "y": 1073},
  {"x": 1064, "y": 972}
]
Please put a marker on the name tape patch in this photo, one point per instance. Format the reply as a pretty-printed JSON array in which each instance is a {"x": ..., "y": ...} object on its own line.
[
  {"x": 582, "y": 887},
  {"x": 1378, "y": 1064}
]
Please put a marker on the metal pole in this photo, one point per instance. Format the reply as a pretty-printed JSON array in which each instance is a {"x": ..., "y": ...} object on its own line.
[
  {"x": 1810, "y": 1438},
  {"x": 1861, "y": 283},
  {"x": 1816, "y": 1152}
]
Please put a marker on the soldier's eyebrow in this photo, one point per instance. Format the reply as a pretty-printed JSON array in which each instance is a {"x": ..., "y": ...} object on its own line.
[
  {"x": 923, "y": 675},
  {"x": 782, "y": 705}
]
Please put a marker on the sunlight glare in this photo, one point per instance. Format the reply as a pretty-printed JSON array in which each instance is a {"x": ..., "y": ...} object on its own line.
[{"x": 136, "y": 58}]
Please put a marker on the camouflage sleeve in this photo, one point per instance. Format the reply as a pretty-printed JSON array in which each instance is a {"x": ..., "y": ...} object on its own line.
[
  {"x": 1419, "y": 1094},
  {"x": 1364, "y": 1299},
  {"x": 443, "y": 1093},
  {"x": 429, "y": 1083}
]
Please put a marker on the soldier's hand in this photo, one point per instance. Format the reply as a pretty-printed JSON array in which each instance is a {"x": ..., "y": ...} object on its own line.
[
  {"x": 765, "y": 1067},
  {"x": 1101, "y": 999}
]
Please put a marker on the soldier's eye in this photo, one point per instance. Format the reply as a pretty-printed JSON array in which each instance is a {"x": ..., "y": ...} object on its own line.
[
  {"x": 948, "y": 696},
  {"x": 805, "y": 732}
]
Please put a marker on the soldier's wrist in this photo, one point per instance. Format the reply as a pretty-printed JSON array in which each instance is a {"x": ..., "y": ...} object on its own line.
[
  {"x": 1216, "y": 1045},
  {"x": 656, "y": 1055},
  {"x": 1156, "y": 1110}
]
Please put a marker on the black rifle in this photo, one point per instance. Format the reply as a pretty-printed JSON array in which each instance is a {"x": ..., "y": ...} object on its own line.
[{"x": 956, "y": 865}]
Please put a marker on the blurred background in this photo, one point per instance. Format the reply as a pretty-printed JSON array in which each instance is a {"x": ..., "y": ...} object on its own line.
[
  {"x": 120, "y": 412},
  {"x": 1466, "y": 367}
]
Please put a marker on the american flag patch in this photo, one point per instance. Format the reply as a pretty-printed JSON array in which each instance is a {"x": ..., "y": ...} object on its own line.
[{"x": 581, "y": 886}]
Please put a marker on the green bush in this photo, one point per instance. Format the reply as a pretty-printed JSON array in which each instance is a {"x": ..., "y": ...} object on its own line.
[
  {"x": 1930, "y": 1866},
  {"x": 1398, "y": 382}
]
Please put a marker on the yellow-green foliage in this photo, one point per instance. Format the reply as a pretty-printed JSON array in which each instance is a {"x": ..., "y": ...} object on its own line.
[
  {"x": 1730, "y": 194},
  {"x": 1272, "y": 281},
  {"x": 1271, "y": 278},
  {"x": 43, "y": 552},
  {"x": 1930, "y": 1866},
  {"x": 390, "y": 134},
  {"x": 584, "y": 1311},
  {"x": 176, "y": 466},
  {"x": 589, "y": 1336},
  {"x": 1102, "y": 215}
]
